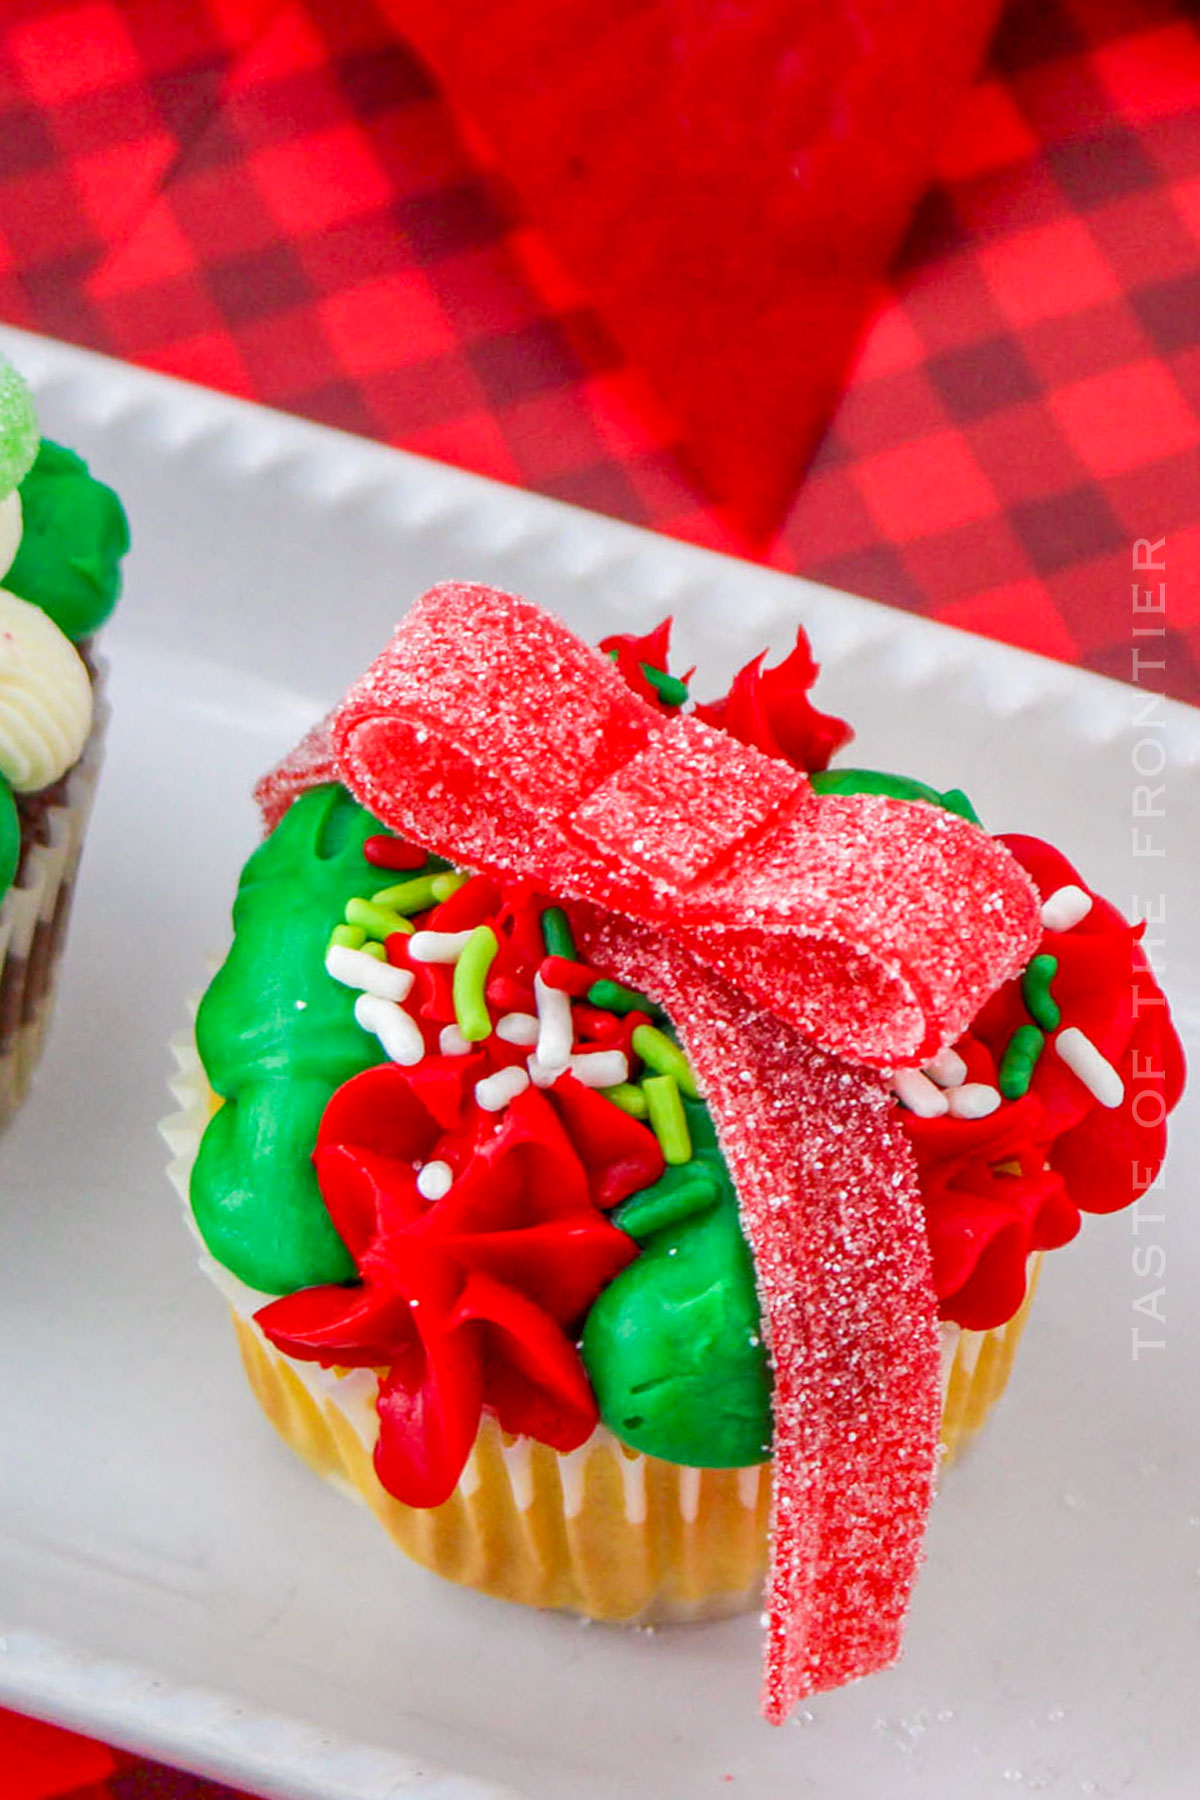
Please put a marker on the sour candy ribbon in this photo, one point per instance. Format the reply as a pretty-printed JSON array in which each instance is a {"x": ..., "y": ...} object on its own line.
[
  {"x": 489, "y": 733},
  {"x": 784, "y": 931}
]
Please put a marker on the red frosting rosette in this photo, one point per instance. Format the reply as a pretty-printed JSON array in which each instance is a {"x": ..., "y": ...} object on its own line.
[
  {"x": 999, "y": 1188},
  {"x": 469, "y": 1301},
  {"x": 770, "y": 709}
]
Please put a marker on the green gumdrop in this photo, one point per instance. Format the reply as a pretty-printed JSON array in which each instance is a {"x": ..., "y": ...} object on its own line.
[
  {"x": 74, "y": 534},
  {"x": 277, "y": 1036},
  {"x": 897, "y": 787},
  {"x": 18, "y": 428},
  {"x": 673, "y": 1346},
  {"x": 10, "y": 837}
]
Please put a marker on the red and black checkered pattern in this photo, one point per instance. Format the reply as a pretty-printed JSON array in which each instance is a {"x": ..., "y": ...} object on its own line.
[
  {"x": 1026, "y": 405},
  {"x": 272, "y": 198},
  {"x": 40, "y": 1762}
]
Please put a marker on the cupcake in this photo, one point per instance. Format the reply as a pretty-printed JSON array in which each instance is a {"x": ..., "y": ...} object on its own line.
[
  {"x": 62, "y": 537},
  {"x": 626, "y": 1142}
]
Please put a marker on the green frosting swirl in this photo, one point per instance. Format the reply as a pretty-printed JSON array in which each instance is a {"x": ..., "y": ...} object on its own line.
[
  {"x": 74, "y": 535},
  {"x": 898, "y": 787},
  {"x": 10, "y": 837},
  {"x": 18, "y": 428},
  {"x": 276, "y": 1037},
  {"x": 673, "y": 1346}
]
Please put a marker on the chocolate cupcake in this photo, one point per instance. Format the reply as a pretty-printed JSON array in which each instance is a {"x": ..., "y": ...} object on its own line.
[{"x": 62, "y": 537}]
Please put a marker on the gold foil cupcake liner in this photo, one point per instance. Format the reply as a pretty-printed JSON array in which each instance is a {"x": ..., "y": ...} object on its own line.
[
  {"x": 34, "y": 915},
  {"x": 604, "y": 1531}
]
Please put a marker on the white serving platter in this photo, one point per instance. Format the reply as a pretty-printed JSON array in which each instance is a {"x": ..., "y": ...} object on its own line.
[{"x": 170, "y": 1578}]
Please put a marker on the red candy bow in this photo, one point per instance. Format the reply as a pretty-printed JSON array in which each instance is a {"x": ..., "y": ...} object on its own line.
[
  {"x": 783, "y": 931},
  {"x": 488, "y": 732}
]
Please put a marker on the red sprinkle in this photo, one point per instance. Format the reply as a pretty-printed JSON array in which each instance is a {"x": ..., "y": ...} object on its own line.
[
  {"x": 506, "y": 993},
  {"x": 387, "y": 852},
  {"x": 574, "y": 978}
]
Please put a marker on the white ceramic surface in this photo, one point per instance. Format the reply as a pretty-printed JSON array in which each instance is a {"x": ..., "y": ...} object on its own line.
[{"x": 170, "y": 1577}]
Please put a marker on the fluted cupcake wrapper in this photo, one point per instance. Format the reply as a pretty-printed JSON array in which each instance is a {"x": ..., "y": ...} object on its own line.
[
  {"x": 604, "y": 1531},
  {"x": 35, "y": 912}
]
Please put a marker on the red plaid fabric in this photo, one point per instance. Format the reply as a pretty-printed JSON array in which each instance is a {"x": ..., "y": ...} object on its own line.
[
  {"x": 1026, "y": 405},
  {"x": 273, "y": 199},
  {"x": 40, "y": 1762},
  {"x": 270, "y": 196}
]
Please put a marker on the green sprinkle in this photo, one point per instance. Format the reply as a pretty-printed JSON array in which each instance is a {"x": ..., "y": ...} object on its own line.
[
  {"x": 615, "y": 997},
  {"x": 350, "y": 937},
  {"x": 669, "y": 688},
  {"x": 407, "y": 896},
  {"x": 470, "y": 977},
  {"x": 377, "y": 921},
  {"x": 665, "y": 1058},
  {"x": 371, "y": 948},
  {"x": 420, "y": 892},
  {"x": 1040, "y": 1003},
  {"x": 667, "y": 1118},
  {"x": 557, "y": 934},
  {"x": 1019, "y": 1061},
  {"x": 629, "y": 1097}
]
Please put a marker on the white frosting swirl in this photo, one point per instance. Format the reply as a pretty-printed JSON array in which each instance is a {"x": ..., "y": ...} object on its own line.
[
  {"x": 45, "y": 697},
  {"x": 11, "y": 522}
]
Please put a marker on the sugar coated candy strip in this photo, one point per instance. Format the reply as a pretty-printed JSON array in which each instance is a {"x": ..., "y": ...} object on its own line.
[
  {"x": 827, "y": 1186},
  {"x": 876, "y": 927}
]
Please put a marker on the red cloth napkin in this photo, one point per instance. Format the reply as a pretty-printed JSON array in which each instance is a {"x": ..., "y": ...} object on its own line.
[
  {"x": 39, "y": 1762},
  {"x": 42, "y": 1762},
  {"x": 728, "y": 184}
]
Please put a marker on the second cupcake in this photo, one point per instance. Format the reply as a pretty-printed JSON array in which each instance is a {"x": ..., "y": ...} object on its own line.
[{"x": 62, "y": 537}]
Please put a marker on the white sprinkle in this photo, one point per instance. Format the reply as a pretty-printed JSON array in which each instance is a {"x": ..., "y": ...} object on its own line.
[
  {"x": 1095, "y": 1071},
  {"x": 400, "y": 1036},
  {"x": 1065, "y": 907},
  {"x": 495, "y": 1091},
  {"x": 451, "y": 1042},
  {"x": 435, "y": 1180},
  {"x": 540, "y": 1075},
  {"x": 556, "y": 1031},
  {"x": 918, "y": 1093},
  {"x": 517, "y": 1028},
  {"x": 947, "y": 1069},
  {"x": 437, "y": 946},
  {"x": 355, "y": 969},
  {"x": 600, "y": 1068},
  {"x": 974, "y": 1100}
]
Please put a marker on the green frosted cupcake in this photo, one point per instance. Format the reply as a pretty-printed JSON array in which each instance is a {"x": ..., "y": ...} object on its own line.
[{"x": 62, "y": 537}]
